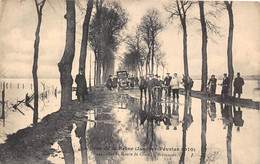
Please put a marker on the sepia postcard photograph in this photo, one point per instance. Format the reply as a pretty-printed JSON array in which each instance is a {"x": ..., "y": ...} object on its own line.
[{"x": 129, "y": 81}]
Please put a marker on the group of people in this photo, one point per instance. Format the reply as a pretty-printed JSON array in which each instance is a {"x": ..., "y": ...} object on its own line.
[
  {"x": 112, "y": 82},
  {"x": 171, "y": 85},
  {"x": 238, "y": 84}
]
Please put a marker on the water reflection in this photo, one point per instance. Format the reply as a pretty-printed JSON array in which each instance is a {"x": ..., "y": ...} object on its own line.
[
  {"x": 149, "y": 126},
  {"x": 212, "y": 110},
  {"x": 81, "y": 134},
  {"x": 187, "y": 121},
  {"x": 66, "y": 147},
  {"x": 238, "y": 121},
  {"x": 204, "y": 126},
  {"x": 151, "y": 115},
  {"x": 104, "y": 137}
]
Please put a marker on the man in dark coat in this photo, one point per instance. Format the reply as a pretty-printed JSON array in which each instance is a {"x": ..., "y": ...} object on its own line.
[
  {"x": 81, "y": 86},
  {"x": 142, "y": 87},
  {"x": 109, "y": 82},
  {"x": 150, "y": 85},
  {"x": 136, "y": 81},
  {"x": 188, "y": 84},
  {"x": 132, "y": 82},
  {"x": 225, "y": 86},
  {"x": 157, "y": 89},
  {"x": 167, "y": 82},
  {"x": 213, "y": 85},
  {"x": 238, "y": 84}
]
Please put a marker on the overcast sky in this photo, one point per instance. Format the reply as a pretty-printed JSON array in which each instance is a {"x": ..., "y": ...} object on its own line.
[{"x": 19, "y": 20}]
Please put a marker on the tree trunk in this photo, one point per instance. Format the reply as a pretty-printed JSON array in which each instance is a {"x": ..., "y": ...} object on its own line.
[
  {"x": 203, "y": 130},
  {"x": 95, "y": 68},
  {"x": 152, "y": 59},
  {"x": 185, "y": 58},
  {"x": 204, "y": 73},
  {"x": 84, "y": 41},
  {"x": 65, "y": 65},
  {"x": 35, "y": 60},
  {"x": 90, "y": 73},
  {"x": 98, "y": 72},
  {"x": 230, "y": 41}
]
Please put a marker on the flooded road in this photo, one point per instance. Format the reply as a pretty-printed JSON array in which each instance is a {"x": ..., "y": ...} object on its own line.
[{"x": 189, "y": 131}]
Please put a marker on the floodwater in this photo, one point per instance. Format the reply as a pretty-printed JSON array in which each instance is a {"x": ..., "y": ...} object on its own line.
[
  {"x": 15, "y": 90},
  {"x": 189, "y": 131}
]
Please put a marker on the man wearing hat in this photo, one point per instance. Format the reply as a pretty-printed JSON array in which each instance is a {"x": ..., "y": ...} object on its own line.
[
  {"x": 225, "y": 86},
  {"x": 238, "y": 84},
  {"x": 167, "y": 82},
  {"x": 109, "y": 82},
  {"x": 150, "y": 85},
  {"x": 81, "y": 86}
]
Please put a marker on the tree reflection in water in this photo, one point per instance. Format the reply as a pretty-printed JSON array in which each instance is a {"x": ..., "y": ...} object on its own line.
[
  {"x": 149, "y": 113},
  {"x": 81, "y": 134},
  {"x": 227, "y": 118},
  {"x": 187, "y": 120},
  {"x": 104, "y": 136},
  {"x": 203, "y": 130},
  {"x": 66, "y": 147}
]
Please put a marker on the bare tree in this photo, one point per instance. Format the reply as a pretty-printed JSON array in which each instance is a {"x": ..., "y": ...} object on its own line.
[
  {"x": 151, "y": 25},
  {"x": 230, "y": 43},
  {"x": 84, "y": 41},
  {"x": 159, "y": 57},
  {"x": 204, "y": 74},
  {"x": 105, "y": 37},
  {"x": 65, "y": 65},
  {"x": 39, "y": 7},
  {"x": 135, "y": 55},
  {"x": 179, "y": 8}
]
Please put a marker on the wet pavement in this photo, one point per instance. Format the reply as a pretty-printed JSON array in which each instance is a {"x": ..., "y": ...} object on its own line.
[{"x": 129, "y": 130}]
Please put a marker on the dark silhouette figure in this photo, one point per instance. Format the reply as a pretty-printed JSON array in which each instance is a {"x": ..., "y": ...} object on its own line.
[
  {"x": 136, "y": 81},
  {"x": 158, "y": 114},
  {"x": 150, "y": 85},
  {"x": 109, "y": 83},
  {"x": 142, "y": 87},
  {"x": 188, "y": 84},
  {"x": 213, "y": 85},
  {"x": 167, "y": 116},
  {"x": 212, "y": 112},
  {"x": 238, "y": 121},
  {"x": 175, "y": 116},
  {"x": 225, "y": 87},
  {"x": 132, "y": 82},
  {"x": 81, "y": 86},
  {"x": 142, "y": 112},
  {"x": 238, "y": 84},
  {"x": 167, "y": 82},
  {"x": 227, "y": 117}
]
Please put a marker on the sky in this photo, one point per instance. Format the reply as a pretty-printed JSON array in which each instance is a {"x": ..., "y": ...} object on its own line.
[{"x": 18, "y": 22}]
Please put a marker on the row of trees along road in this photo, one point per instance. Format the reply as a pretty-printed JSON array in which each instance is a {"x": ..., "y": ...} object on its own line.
[
  {"x": 103, "y": 35},
  {"x": 179, "y": 9},
  {"x": 143, "y": 48}
]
